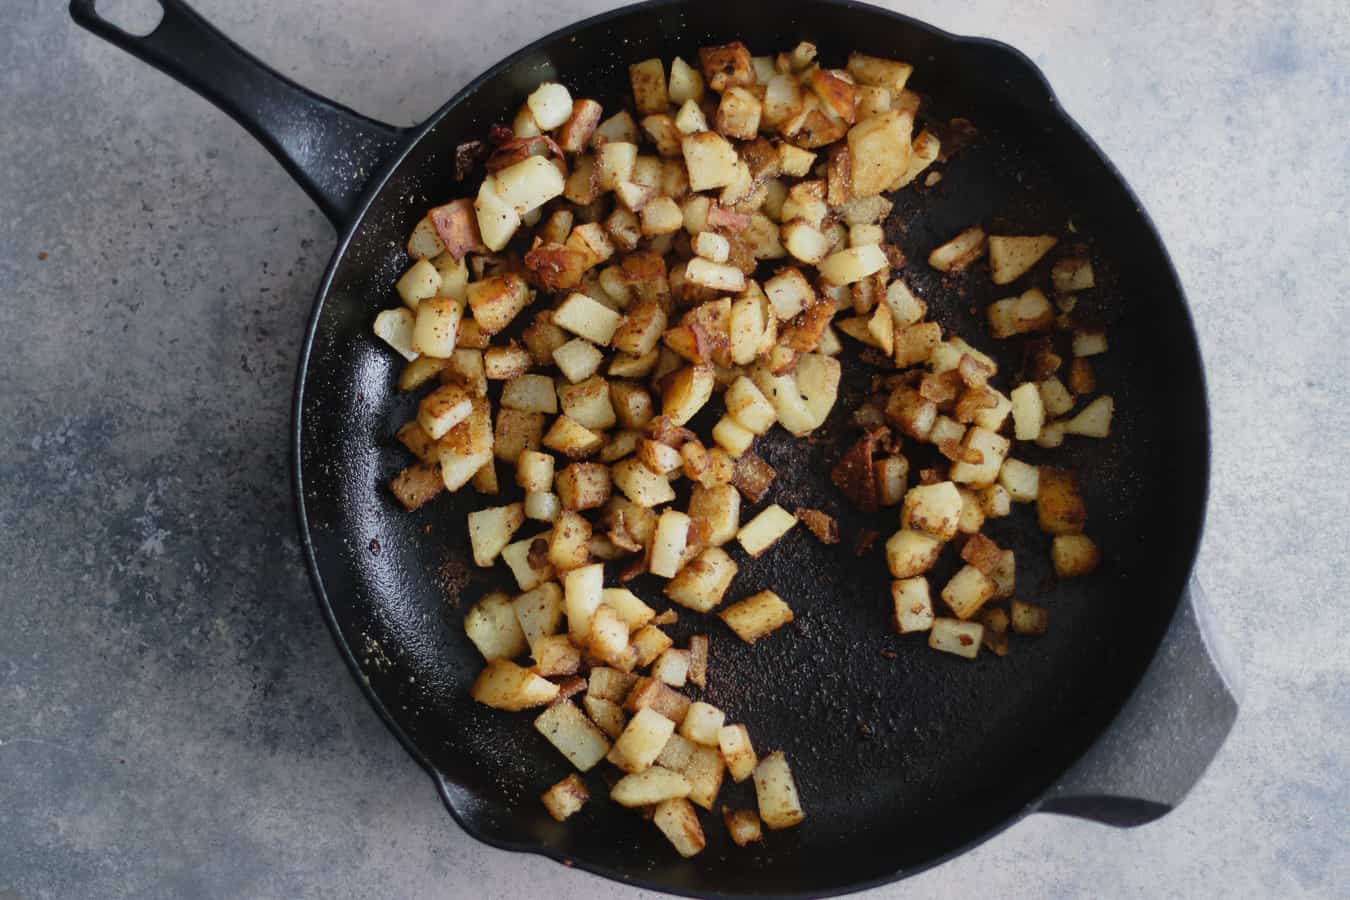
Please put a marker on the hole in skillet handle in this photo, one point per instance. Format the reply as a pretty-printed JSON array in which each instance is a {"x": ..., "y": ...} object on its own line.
[{"x": 137, "y": 18}]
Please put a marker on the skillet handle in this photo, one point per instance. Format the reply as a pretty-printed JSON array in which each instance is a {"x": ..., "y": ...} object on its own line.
[
  {"x": 1166, "y": 735},
  {"x": 329, "y": 149}
]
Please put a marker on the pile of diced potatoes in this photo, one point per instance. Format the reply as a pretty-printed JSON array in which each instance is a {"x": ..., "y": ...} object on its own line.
[{"x": 624, "y": 307}]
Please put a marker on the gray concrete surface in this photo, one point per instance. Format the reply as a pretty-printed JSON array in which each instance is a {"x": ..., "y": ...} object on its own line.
[{"x": 174, "y": 720}]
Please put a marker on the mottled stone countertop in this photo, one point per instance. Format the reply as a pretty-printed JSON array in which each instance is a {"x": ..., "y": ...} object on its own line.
[{"x": 174, "y": 719}]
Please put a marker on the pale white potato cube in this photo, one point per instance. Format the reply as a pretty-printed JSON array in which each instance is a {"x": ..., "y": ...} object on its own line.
[
  {"x": 1028, "y": 411},
  {"x": 737, "y": 751},
  {"x": 517, "y": 558},
  {"x": 743, "y": 826},
  {"x": 879, "y": 151},
  {"x": 1010, "y": 257},
  {"x": 672, "y": 668},
  {"x": 505, "y": 685},
  {"x": 1087, "y": 342},
  {"x": 578, "y": 359},
  {"x": 628, "y": 607},
  {"x": 776, "y": 791},
  {"x": 587, "y": 318},
  {"x": 490, "y": 530},
  {"x": 1094, "y": 420},
  {"x": 853, "y": 264},
  {"x": 1021, "y": 480},
  {"x": 607, "y": 639},
  {"x": 805, "y": 242},
  {"x": 422, "y": 280},
  {"x": 934, "y": 508},
  {"x": 640, "y": 484},
  {"x": 614, "y": 164},
  {"x": 648, "y": 80},
  {"x": 864, "y": 234},
  {"x": 960, "y": 251},
  {"x": 539, "y": 612},
  {"x": 641, "y": 741},
  {"x": 955, "y": 636},
  {"x": 567, "y": 797},
  {"x": 705, "y": 771},
  {"x": 967, "y": 591},
  {"x": 583, "y": 590},
  {"x": 715, "y": 276},
  {"x": 672, "y": 535},
  {"x": 765, "y": 529},
  {"x": 424, "y": 242},
  {"x": 492, "y": 626},
  {"x": 530, "y": 393},
  {"x": 794, "y": 161},
  {"x": 910, "y": 553},
  {"x": 528, "y": 184},
  {"x": 993, "y": 449},
  {"x": 497, "y": 220},
  {"x": 690, "y": 119},
  {"x": 395, "y": 327},
  {"x": 732, "y": 437},
  {"x": 607, "y": 715},
  {"x": 711, "y": 246},
  {"x": 685, "y": 84},
  {"x": 572, "y": 439},
  {"x": 748, "y": 406},
  {"x": 588, "y": 403},
  {"x": 575, "y": 736},
  {"x": 756, "y": 616},
  {"x": 679, "y": 823},
  {"x": 1023, "y": 314},
  {"x": 702, "y": 723},
  {"x": 649, "y": 787},
  {"x": 913, "y": 605},
  {"x": 443, "y": 409},
  {"x": 1055, "y": 397},
  {"x": 550, "y": 104},
  {"x": 789, "y": 293},
  {"x": 711, "y": 160}
]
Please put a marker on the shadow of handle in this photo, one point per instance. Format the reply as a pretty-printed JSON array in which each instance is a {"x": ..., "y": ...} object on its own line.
[{"x": 331, "y": 151}]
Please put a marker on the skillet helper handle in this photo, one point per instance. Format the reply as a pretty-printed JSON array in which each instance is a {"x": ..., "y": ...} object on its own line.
[
  {"x": 328, "y": 149},
  {"x": 1167, "y": 733}
]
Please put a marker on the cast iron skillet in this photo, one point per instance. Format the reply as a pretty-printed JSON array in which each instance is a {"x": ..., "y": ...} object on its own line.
[{"x": 904, "y": 759}]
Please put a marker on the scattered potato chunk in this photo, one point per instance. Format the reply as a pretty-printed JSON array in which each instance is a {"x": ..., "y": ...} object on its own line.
[
  {"x": 1072, "y": 274},
  {"x": 879, "y": 148},
  {"x": 641, "y": 741},
  {"x": 648, "y": 79},
  {"x": 718, "y": 509},
  {"x": 566, "y": 798},
  {"x": 743, "y": 826},
  {"x": 1021, "y": 480},
  {"x": 702, "y": 723},
  {"x": 1010, "y": 257},
  {"x": 576, "y": 737},
  {"x": 640, "y": 484},
  {"x": 587, "y": 318},
  {"x": 968, "y": 590},
  {"x": 703, "y": 581},
  {"x": 539, "y": 612},
  {"x": 910, "y": 553},
  {"x": 960, "y": 251},
  {"x": 913, "y": 605},
  {"x": 583, "y": 590},
  {"x": 505, "y": 685},
  {"x": 737, "y": 751},
  {"x": 934, "y": 508},
  {"x": 1059, "y": 504},
  {"x": 679, "y": 823},
  {"x": 756, "y": 616},
  {"x": 492, "y": 626},
  {"x": 1094, "y": 420},
  {"x": 776, "y": 791},
  {"x": 606, "y": 714},
  {"x": 765, "y": 529},
  {"x": 669, "y": 542},
  {"x": 490, "y": 530},
  {"x": 650, "y": 786},
  {"x": 1028, "y": 618},
  {"x": 956, "y": 636},
  {"x": 711, "y": 160},
  {"x": 1024, "y": 314},
  {"x": 1074, "y": 555}
]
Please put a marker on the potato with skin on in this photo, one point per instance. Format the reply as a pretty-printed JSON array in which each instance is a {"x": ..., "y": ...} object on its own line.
[
  {"x": 490, "y": 530},
  {"x": 757, "y": 616},
  {"x": 505, "y": 685},
  {"x": 566, "y": 798},
  {"x": 575, "y": 134},
  {"x": 1074, "y": 555},
  {"x": 703, "y": 581},
  {"x": 956, "y": 637},
  {"x": 743, "y": 826}
]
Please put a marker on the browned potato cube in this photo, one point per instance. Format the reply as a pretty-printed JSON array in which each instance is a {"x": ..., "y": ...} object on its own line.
[
  {"x": 648, "y": 693},
  {"x": 742, "y": 825},
  {"x": 934, "y": 508},
  {"x": 756, "y": 616},
  {"x": 910, "y": 553},
  {"x": 726, "y": 66},
  {"x": 1028, "y": 618},
  {"x": 641, "y": 741},
  {"x": 967, "y": 591},
  {"x": 417, "y": 484},
  {"x": 555, "y": 655},
  {"x": 610, "y": 684},
  {"x": 957, "y": 637},
  {"x": 1059, "y": 503},
  {"x": 567, "y": 797},
  {"x": 1074, "y": 555},
  {"x": 702, "y": 582},
  {"x": 505, "y": 685},
  {"x": 515, "y": 432},
  {"x": 679, "y": 823},
  {"x": 490, "y": 530},
  {"x": 583, "y": 486},
  {"x": 776, "y": 790}
]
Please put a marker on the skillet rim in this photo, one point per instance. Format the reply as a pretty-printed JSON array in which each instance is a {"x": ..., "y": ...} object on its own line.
[{"x": 378, "y": 182}]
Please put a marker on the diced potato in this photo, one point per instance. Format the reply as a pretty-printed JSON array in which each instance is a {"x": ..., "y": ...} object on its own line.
[
  {"x": 1023, "y": 314},
  {"x": 587, "y": 318},
  {"x": 776, "y": 791},
  {"x": 934, "y": 508},
  {"x": 539, "y": 612},
  {"x": 1094, "y": 420},
  {"x": 528, "y": 184},
  {"x": 607, "y": 715},
  {"x": 628, "y": 607},
  {"x": 879, "y": 150},
  {"x": 528, "y": 560},
  {"x": 419, "y": 371},
  {"x": 609, "y": 684},
  {"x": 648, "y": 79},
  {"x": 497, "y": 300},
  {"x": 806, "y": 242},
  {"x": 924, "y": 151},
  {"x": 711, "y": 160},
  {"x": 743, "y": 826},
  {"x": 733, "y": 437},
  {"x": 650, "y": 786},
  {"x": 789, "y": 293},
  {"x": 588, "y": 403},
  {"x": 660, "y": 458},
  {"x": 1028, "y": 411},
  {"x": 555, "y": 654},
  {"x": 1082, "y": 380},
  {"x": 748, "y": 406},
  {"x": 534, "y": 471},
  {"x": 396, "y": 328},
  {"x": 1055, "y": 397},
  {"x": 651, "y": 642},
  {"x": 497, "y": 220},
  {"x": 607, "y": 639},
  {"x": 568, "y": 796},
  {"x": 703, "y": 723},
  {"x": 619, "y": 128},
  {"x": 992, "y": 450},
  {"x": 1072, "y": 274},
  {"x": 738, "y": 114},
  {"x": 704, "y": 771},
  {"x": 614, "y": 164},
  {"x": 575, "y": 134},
  {"x": 1028, "y": 618},
  {"x": 466, "y": 448},
  {"x": 765, "y": 529},
  {"x": 517, "y": 432},
  {"x": 956, "y": 636},
  {"x": 1059, "y": 504},
  {"x": 672, "y": 534},
  {"x": 672, "y": 667},
  {"x": 853, "y": 264},
  {"x": 550, "y": 104},
  {"x": 1074, "y": 555},
  {"x": 714, "y": 276},
  {"x": 874, "y": 70},
  {"x": 424, "y": 242},
  {"x": 583, "y": 486},
  {"x": 1089, "y": 342},
  {"x": 443, "y": 409},
  {"x": 686, "y": 393},
  {"x": 583, "y": 588},
  {"x": 967, "y": 591},
  {"x": 620, "y": 444},
  {"x": 1010, "y": 257},
  {"x": 679, "y": 823},
  {"x": 737, "y": 751},
  {"x": 421, "y": 281},
  {"x": 718, "y": 509},
  {"x": 572, "y": 439},
  {"x": 661, "y": 215},
  {"x": 1021, "y": 480},
  {"x": 575, "y": 736},
  {"x": 910, "y": 553},
  {"x": 863, "y": 234},
  {"x": 959, "y": 252},
  {"x": 690, "y": 119},
  {"x": 995, "y": 501},
  {"x": 569, "y": 542},
  {"x": 490, "y": 530},
  {"x": 505, "y": 685},
  {"x": 492, "y": 626},
  {"x": 913, "y": 605},
  {"x": 703, "y": 581},
  {"x": 437, "y": 326},
  {"x": 578, "y": 359},
  {"x": 686, "y": 83},
  {"x": 648, "y": 694},
  {"x": 756, "y": 616},
  {"x": 640, "y": 484},
  {"x": 793, "y": 161}
]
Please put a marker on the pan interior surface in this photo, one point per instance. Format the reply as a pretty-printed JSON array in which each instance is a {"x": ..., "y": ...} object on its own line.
[{"x": 901, "y": 757}]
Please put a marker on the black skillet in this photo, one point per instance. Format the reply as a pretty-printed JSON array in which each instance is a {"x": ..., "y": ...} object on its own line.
[{"x": 905, "y": 757}]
